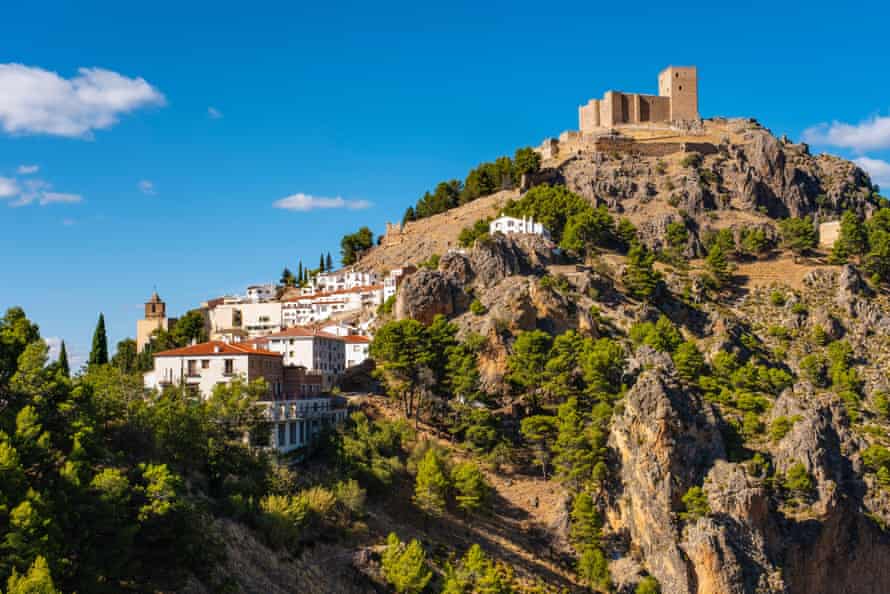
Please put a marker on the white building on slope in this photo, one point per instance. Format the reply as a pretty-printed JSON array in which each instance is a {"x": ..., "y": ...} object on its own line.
[{"x": 510, "y": 225}]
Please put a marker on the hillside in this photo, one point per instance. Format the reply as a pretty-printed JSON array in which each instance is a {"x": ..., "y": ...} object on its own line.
[{"x": 757, "y": 469}]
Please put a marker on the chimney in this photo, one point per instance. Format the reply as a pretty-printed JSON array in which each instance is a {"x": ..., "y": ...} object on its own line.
[{"x": 216, "y": 348}]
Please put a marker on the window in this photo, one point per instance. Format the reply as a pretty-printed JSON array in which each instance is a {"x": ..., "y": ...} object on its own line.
[
  {"x": 229, "y": 366},
  {"x": 205, "y": 363},
  {"x": 281, "y": 436},
  {"x": 192, "y": 368},
  {"x": 293, "y": 432}
]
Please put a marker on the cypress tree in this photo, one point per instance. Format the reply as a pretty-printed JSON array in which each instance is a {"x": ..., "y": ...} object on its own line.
[
  {"x": 329, "y": 262},
  {"x": 99, "y": 352},
  {"x": 321, "y": 263},
  {"x": 300, "y": 277},
  {"x": 63, "y": 360}
]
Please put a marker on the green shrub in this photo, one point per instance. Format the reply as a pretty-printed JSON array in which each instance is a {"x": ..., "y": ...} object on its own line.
[
  {"x": 780, "y": 426},
  {"x": 695, "y": 504},
  {"x": 691, "y": 160},
  {"x": 469, "y": 235},
  {"x": 876, "y": 457},
  {"x": 477, "y": 308},
  {"x": 882, "y": 404},
  {"x": 648, "y": 585},
  {"x": 814, "y": 368},
  {"x": 777, "y": 298},
  {"x": 798, "y": 481},
  {"x": 432, "y": 262},
  {"x": 819, "y": 335},
  {"x": 779, "y": 332},
  {"x": 386, "y": 306},
  {"x": 677, "y": 235},
  {"x": 689, "y": 361}
]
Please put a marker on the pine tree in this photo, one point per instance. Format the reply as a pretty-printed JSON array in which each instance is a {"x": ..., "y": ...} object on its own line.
[
  {"x": 37, "y": 580},
  {"x": 718, "y": 265},
  {"x": 287, "y": 278},
  {"x": 431, "y": 483},
  {"x": 99, "y": 352},
  {"x": 63, "y": 360},
  {"x": 404, "y": 567},
  {"x": 853, "y": 239},
  {"x": 329, "y": 262},
  {"x": 640, "y": 275},
  {"x": 586, "y": 522},
  {"x": 409, "y": 215}
]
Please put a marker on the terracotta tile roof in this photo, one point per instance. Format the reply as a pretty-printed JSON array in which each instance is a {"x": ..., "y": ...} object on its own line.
[
  {"x": 302, "y": 332},
  {"x": 356, "y": 339},
  {"x": 215, "y": 348}
]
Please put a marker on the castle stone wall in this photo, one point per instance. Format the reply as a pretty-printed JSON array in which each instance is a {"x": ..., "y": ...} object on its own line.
[{"x": 677, "y": 101}]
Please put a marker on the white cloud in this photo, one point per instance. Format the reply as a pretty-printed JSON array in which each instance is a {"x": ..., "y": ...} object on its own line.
[
  {"x": 37, "y": 101},
  {"x": 59, "y": 198},
  {"x": 40, "y": 191},
  {"x": 304, "y": 202},
  {"x": 8, "y": 187},
  {"x": 147, "y": 187},
  {"x": 867, "y": 135},
  {"x": 213, "y": 113},
  {"x": 878, "y": 170},
  {"x": 27, "y": 169}
]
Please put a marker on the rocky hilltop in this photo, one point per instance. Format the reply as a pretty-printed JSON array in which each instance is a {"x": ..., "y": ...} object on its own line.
[{"x": 765, "y": 470}]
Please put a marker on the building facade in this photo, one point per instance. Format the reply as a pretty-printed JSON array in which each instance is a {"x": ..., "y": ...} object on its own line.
[
  {"x": 394, "y": 279},
  {"x": 201, "y": 367},
  {"x": 358, "y": 348},
  {"x": 677, "y": 101},
  {"x": 509, "y": 225},
  {"x": 340, "y": 280},
  {"x": 235, "y": 319},
  {"x": 317, "y": 307},
  {"x": 312, "y": 349},
  {"x": 295, "y": 423}
]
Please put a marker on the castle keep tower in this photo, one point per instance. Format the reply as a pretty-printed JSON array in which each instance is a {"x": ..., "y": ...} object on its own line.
[
  {"x": 680, "y": 83},
  {"x": 155, "y": 318},
  {"x": 677, "y": 101}
]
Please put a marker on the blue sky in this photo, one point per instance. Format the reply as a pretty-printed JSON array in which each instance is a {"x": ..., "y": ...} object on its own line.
[{"x": 161, "y": 162}]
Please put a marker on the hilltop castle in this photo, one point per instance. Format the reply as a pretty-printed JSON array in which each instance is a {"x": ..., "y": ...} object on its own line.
[{"x": 677, "y": 101}]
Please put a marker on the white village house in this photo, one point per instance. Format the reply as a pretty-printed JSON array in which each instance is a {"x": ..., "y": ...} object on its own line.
[
  {"x": 509, "y": 225},
  {"x": 294, "y": 404},
  {"x": 312, "y": 349}
]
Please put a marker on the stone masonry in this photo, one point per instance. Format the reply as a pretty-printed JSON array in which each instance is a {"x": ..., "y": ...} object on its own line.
[{"x": 677, "y": 101}]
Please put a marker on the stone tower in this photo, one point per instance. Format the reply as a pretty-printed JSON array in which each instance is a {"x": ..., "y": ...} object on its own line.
[
  {"x": 155, "y": 318},
  {"x": 155, "y": 308},
  {"x": 680, "y": 83}
]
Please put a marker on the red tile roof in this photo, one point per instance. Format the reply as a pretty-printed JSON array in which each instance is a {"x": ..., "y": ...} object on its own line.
[
  {"x": 215, "y": 348},
  {"x": 355, "y": 338},
  {"x": 303, "y": 331}
]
